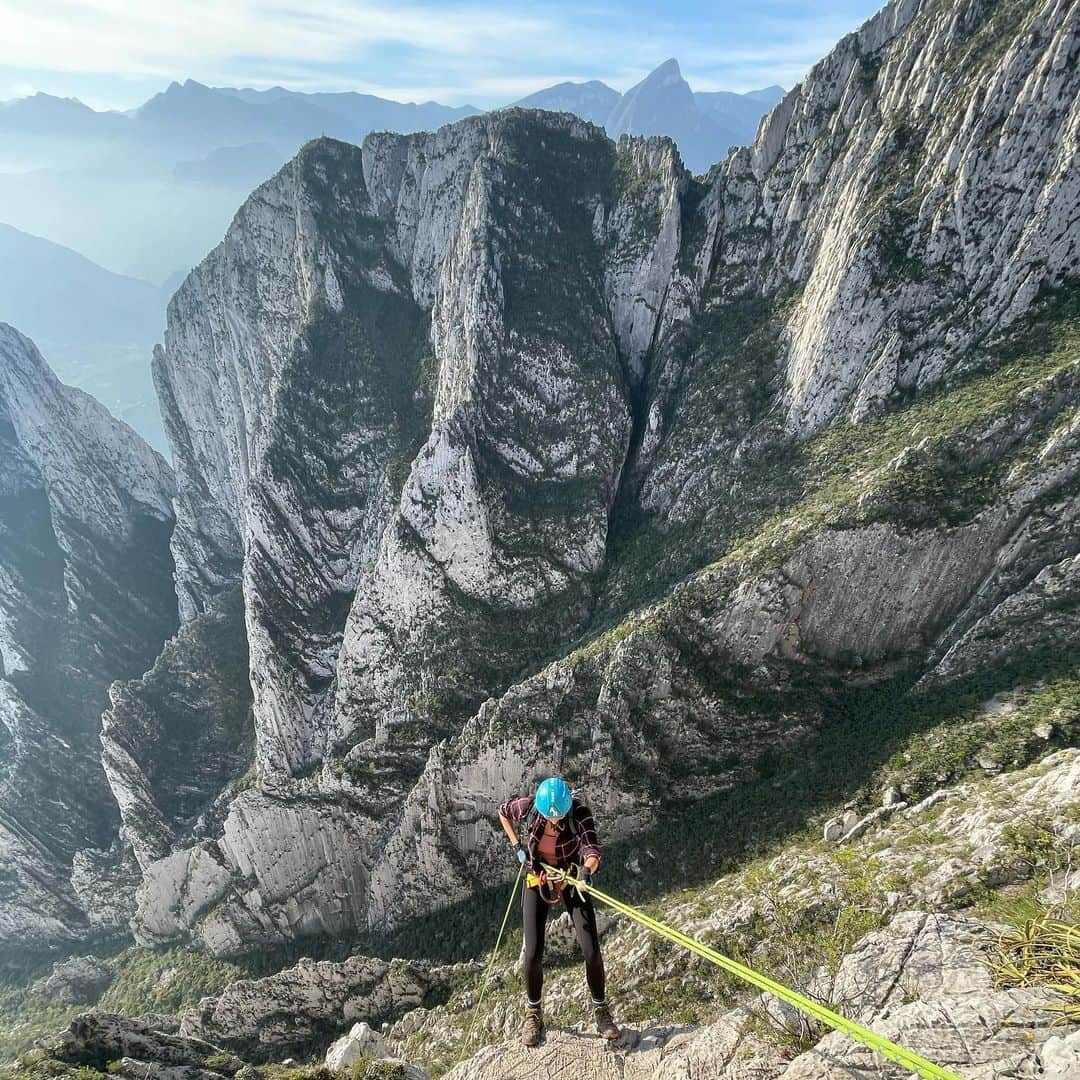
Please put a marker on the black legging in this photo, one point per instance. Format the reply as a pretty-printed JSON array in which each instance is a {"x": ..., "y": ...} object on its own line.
[{"x": 534, "y": 914}]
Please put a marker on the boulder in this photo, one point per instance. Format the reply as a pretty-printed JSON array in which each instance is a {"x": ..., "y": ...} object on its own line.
[
  {"x": 97, "y": 1038},
  {"x": 361, "y": 1042},
  {"x": 79, "y": 980}
]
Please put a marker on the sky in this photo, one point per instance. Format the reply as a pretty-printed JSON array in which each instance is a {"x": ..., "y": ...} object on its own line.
[{"x": 117, "y": 53}]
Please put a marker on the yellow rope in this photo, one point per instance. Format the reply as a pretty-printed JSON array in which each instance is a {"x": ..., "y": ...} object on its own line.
[
  {"x": 907, "y": 1058},
  {"x": 490, "y": 964}
]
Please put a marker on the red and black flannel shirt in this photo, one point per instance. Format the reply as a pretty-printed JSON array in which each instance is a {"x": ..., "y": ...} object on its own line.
[{"x": 571, "y": 846}]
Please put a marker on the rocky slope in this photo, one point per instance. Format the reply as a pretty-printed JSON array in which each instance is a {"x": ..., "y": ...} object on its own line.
[
  {"x": 878, "y": 923},
  {"x": 943, "y": 1005},
  {"x": 904, "y": 922},
  {"x": 446, "y": 406},
  {"x": 86, "y": 596}
]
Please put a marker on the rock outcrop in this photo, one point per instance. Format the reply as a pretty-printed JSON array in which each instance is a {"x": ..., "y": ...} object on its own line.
[
  {"x": 922, "y": 982},
  {"x": 79, "y": 980},
  {"x": 303, "y": 1006},
  {"x": 447, "y": 406},
  {"x": 175, "y": 739},
  {"x": 364, "y": 1044},
  {"x": 86, "y": 596},
  {"x": 97, "y": 1041}
]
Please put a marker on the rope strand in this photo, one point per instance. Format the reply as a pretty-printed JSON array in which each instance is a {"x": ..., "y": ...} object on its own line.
[{"x": 490, "y": 965}]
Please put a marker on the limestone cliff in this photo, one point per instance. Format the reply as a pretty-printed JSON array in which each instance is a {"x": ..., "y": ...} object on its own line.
[
  {"x": 446, "y": 407},
  {"x": 86, "y": 596}
]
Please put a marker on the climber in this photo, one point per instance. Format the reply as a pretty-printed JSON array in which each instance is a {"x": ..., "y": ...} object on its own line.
[{"x": 559, "y": 831}]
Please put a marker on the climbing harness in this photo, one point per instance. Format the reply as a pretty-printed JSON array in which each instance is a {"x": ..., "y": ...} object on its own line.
[
  {"x": 906, "y": 1058},
  {"x": 491, "y": 964},
  {"x": 550, "y": 888}
]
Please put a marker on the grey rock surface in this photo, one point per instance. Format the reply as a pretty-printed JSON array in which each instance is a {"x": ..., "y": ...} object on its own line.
[
  {"x": 94, "y": 1038},
  {"x": 265, "y": 1019},
  {"x": 362, "y": 1043},
  {"x": 446, "y": 408},
  {"x": 86, "y": 596},
  {"x": 920, "y": 982},
  {"x": 79, "y": 980}
]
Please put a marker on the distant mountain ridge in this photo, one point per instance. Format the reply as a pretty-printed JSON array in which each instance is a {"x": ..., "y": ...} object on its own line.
[
  {"x": 149, "y": 191},
  {"x": 192, "y": 111},
  {"x": 98, "y": 327},
  {"x": 145, "y": 194},
  {"x": 703, "y": 125}
]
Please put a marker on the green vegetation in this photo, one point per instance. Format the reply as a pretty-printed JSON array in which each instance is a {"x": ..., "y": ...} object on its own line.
[
  {"x": 1002, "y": 734},
  {"x": 739, "y": 844},
  {"x": 920, "y": 465},
  {"x": 26, "y": 1016},
  {"x": 1043, "y": 950},
  {"x": 37, "y": 1065},
  {"x": 870, "y": 737},
  {"x": 144, "y": 981},
  {"x": 167, "y": 981},
  {"x": 364, "y": 1069},
  {"x": 873, "y": 471}
]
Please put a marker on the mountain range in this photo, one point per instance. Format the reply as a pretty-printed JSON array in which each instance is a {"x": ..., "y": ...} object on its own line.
[
  {"x": 151, "y": 191},
  {"x": 746, "y": 500},
  {"x": 95, "y": 326},
  {"x": 447, "y": 407}
]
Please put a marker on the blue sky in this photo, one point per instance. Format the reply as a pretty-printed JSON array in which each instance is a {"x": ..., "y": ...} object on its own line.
[{"x": 116, "y": 53}]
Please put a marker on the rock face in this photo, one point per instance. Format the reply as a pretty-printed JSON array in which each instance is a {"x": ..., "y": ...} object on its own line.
[
  {"x": 141, "y": 1049},
  {"x": 921, "y": 982},
  {"x": 446, "y": 407},
  {"x": 77, "y": 980},
  {"x": 362, "y": 1043},
  {"x": 703, "y": 125},
  {"x": 96, "y": 1040},
  {"x": 267, "y": 1019},
  {"x": 175, "y": 738},
  {"x": 86, "y": 596}
]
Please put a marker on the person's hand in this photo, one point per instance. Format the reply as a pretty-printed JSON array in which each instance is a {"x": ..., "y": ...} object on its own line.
[
  {"x": 592, "y": 864},
  {"x": 522, "y": 855}
]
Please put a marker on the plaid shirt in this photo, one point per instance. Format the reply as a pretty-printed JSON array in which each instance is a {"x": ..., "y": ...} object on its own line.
[{"x": 570, "y": 846}]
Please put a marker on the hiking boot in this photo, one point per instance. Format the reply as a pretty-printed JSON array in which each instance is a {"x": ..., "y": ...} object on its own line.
[
  {"x": 533, "y": 1029},
  {"x": 605, "y": 1025}
]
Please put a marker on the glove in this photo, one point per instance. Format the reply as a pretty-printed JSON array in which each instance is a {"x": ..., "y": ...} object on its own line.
[
  {"x": 522, "y": 855},
  {"x": 586, "y": 875}
]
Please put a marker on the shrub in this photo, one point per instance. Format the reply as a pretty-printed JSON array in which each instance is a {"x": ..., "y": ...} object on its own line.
[{"x": 1042, "y": 951}]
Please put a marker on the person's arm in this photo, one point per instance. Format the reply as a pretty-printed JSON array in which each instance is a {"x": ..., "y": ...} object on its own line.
[
  {"x": 590, "y": 847},
  {"x": 510, "y": 813},
  {"x": 509, "y": 828}
]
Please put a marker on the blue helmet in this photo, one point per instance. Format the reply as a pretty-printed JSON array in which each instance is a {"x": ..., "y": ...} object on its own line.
[{"x": 554, "y": 798}]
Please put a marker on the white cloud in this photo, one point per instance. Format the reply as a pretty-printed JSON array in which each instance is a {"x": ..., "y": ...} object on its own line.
[
  {"x": 125, "y": 38},
  {"x": 484, "y": 51}
]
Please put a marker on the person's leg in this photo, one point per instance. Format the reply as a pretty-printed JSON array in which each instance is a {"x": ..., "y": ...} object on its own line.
[
  {"x": 583, "y": 916},
  {"x": 534, "y": 914},
  {"x": 533, "y": 920}
]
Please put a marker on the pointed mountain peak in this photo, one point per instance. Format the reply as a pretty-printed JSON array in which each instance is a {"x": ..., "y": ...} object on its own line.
[
  {"x": 662, "y": 103},
  {"x": 669, "y": 69}
]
